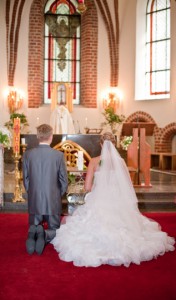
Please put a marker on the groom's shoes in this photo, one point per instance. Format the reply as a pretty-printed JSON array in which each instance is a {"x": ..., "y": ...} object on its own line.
[
  {"x": 40, "y": 239},
  {"x": 30, "y": 242}
]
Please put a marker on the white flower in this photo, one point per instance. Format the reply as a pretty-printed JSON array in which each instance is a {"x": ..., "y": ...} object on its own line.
[
  {"x": 5, "y": 137},
  {"x": 126, "y": 141}
]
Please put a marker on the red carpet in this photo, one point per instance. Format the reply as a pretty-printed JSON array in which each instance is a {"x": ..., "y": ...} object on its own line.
[{"x": 25, "y": 277}]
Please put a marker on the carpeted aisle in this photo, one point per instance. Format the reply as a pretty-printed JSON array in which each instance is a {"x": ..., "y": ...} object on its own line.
[{"x": 25, "y": 277}]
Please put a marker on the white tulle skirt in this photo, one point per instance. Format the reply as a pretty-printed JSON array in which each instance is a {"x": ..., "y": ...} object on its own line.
[
  {"x": 98, "y": 233},
  {"x": 109, "y": 228}
]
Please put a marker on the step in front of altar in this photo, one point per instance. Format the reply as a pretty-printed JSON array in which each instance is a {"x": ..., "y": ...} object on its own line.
[{"x": 147, "y": 201}]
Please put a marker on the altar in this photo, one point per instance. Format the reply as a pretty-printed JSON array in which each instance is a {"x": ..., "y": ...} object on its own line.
[{"x": 90, "y": 142}]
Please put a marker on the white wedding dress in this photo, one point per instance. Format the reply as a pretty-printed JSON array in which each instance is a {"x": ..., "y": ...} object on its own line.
[{"x": 109, "y": 228}]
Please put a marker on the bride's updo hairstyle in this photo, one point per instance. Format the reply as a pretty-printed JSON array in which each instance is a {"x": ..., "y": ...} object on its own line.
[{"x": 108, "y": 136}]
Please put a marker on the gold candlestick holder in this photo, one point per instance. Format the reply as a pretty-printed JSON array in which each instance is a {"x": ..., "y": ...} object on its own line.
[{"x": 18, "y": 189}]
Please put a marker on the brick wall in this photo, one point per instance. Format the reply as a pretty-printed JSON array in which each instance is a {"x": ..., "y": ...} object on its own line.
[
  {"x": 162, "y": 136},
  {"x": 89, "y": 40}
]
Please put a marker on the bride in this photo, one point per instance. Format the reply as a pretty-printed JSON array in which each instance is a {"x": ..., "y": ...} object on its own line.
[{"x": 109, "y": 228}]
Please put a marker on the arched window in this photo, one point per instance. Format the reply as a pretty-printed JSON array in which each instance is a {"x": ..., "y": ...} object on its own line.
[
  {"x": 158, "y": 47},
  {"x": 62, "y": 47},
  {"x": 152, "y": 50}
]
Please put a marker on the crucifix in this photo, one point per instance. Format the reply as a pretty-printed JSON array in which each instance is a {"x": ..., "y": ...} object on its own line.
[{"x": 61, "y": 95}]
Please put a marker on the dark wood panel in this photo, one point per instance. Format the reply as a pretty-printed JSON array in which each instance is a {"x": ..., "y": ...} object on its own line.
[{"x": 90, "y": 142}]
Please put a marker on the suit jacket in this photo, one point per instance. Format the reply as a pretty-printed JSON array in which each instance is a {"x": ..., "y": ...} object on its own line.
[{"x": 45, "y": 179}]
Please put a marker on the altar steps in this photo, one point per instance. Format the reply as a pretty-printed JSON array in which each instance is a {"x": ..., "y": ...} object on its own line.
[
  {"x": 147, "y": 201},
  {"x": 161, "y": 196}
]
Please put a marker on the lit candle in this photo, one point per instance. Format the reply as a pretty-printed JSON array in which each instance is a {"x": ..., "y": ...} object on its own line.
[
  {"x": 86, "y": 121},
  {"x": 16, "y": 136},
  {"x": 38, "y": 121},
  {"x": 80, "y": 160}
]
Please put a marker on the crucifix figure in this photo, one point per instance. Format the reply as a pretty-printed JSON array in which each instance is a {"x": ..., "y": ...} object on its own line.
[{"x": 61, "y": 95}]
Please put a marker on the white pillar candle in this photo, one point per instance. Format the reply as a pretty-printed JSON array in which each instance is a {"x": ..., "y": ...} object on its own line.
[
  {"x": 86, "y": 122},
  {"x": 80, "y": 160},
  {"x": 23, "y": 141}
]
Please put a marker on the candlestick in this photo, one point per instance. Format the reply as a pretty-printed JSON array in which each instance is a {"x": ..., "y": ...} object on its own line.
[{"x": 17, "y": 197}]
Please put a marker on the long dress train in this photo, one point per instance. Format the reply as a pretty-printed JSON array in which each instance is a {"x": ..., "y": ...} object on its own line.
[{"x": 109, "y": 228}]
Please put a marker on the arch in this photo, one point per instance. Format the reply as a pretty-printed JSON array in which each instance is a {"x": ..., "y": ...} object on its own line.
[
  {"x": 140, "y": 116},
  {"x": 167, "y": 135}
]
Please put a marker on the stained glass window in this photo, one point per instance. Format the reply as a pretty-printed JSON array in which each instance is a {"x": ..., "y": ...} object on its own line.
[{"x": 62, "y": 47}]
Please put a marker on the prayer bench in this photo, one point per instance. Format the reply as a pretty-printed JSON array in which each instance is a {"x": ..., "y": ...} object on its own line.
[
  {"x": 70, "y": 150},
  {"x": 75, "y": 192}
]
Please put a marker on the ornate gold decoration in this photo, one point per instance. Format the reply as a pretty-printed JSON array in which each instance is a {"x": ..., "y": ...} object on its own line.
[
  {"x": 70, "y": 150},
  {"x": 65, "y": 93},
  {"x": 112, "y": 98},
  {"x": 18, "y": 186},
  {"x": 14, "y": 100},
  {"x": 81, "y": 8}
]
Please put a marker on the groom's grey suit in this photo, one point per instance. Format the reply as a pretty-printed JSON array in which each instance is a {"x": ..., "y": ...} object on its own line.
[{"x": 45, "y": 181}]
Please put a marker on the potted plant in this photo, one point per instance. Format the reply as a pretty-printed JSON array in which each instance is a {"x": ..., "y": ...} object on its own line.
[{"x": 112, "y": 119}]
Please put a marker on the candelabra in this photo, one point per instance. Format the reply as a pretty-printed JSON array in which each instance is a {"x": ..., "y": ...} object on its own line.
[{"x": 18, "y": 188}]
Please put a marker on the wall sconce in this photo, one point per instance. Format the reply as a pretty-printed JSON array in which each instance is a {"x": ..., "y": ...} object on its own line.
[
  {"x": 14, "y": 100},
  {"x": 112, "y": 98},
  {"x": 81, "y": 8}
]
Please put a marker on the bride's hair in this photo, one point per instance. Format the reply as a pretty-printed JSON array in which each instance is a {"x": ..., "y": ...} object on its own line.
[{"x": 108, "y": 136}]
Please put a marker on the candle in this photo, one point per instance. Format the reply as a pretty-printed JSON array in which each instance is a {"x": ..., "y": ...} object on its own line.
[
  {"x": 38, "y": 121},
  {"x": 86, "y": 122},
  {"x": 23, "y": 141},
  {"x": 80, "y": 160},
  {"x": 16, "y": 136}
]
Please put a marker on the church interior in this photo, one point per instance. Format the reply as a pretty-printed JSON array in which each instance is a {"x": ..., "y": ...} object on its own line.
[
  {"x": 87, "y": 67},
  {"x": 66, "y": 64}
]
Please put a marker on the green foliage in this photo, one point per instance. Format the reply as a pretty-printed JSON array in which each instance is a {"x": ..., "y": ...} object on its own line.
[
  {"x": 71, "y": 178},
  {"x": 22, "y": 117},
  {"x": 111, "y": 117},
  {"x": 5, "y": 137}
]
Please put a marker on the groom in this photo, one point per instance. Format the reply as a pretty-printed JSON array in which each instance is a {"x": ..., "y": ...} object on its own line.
[{"x": 45, "y": 181}]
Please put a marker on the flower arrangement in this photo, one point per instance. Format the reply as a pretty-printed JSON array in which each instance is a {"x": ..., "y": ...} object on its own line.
[
  {"x": 125, "y": 142},
  {"x": 112, "y": 119},
  {"x": 22, "y": 117},
  {"x": 5, "y": 137}
]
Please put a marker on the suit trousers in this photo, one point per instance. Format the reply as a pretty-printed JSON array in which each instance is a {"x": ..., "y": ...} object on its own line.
[{"x": 53, "y": 222}]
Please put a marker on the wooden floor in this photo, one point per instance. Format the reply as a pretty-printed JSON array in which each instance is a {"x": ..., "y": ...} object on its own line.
[{"x": 161, "y": 196}]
